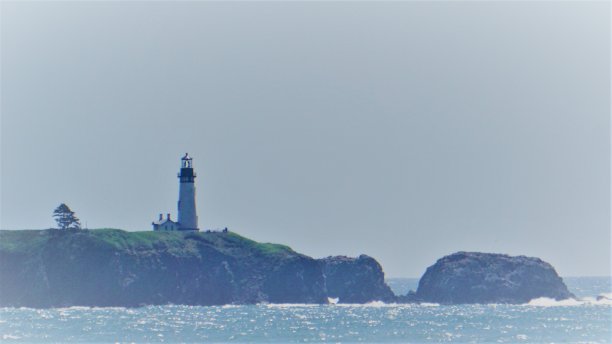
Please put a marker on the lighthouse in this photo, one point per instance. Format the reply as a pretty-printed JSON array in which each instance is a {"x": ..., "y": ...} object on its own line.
[{"x": 187, "y": 215}]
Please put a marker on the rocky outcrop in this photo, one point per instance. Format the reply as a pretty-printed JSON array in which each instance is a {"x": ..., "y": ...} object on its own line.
[
  {"x": 355, "y": 280},
  {"x": 109, "y": 267},
  {"x": 472, "y": 277}
]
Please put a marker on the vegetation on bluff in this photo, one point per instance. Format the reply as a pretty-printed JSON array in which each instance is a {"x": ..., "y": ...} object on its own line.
[
  {"x": 176, "y": 242},
  {"x": 66, "y": 218}
]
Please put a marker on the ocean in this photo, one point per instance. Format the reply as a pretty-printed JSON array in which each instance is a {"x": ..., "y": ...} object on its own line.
[{"x": 542, "y": 320}]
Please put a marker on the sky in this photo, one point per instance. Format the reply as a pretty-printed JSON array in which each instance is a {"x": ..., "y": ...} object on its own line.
[{"x": 402, "y": 130}]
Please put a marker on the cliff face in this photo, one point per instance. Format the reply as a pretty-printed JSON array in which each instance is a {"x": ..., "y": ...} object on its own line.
[
  {"x": 110, "y": 267},
  {"x": 471, "y": 277},
  {"x": 52, "y": 268},
  {"x": 356, "y": 280}
]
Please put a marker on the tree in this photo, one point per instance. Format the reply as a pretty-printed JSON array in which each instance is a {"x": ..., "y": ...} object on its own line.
[{"x": 65, "y": 218}]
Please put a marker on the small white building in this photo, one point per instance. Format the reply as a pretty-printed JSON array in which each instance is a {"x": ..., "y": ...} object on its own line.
[{"x": 165, "y": 224}]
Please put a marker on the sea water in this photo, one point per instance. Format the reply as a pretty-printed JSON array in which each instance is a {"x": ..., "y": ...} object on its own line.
[{"x": 587, "y": 320}]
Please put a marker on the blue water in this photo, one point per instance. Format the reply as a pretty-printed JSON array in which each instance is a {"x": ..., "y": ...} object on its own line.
[{"x": 545, "y": 321}]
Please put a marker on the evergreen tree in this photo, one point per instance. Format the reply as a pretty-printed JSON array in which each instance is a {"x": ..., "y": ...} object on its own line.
[{"x": 65, "y": 218}]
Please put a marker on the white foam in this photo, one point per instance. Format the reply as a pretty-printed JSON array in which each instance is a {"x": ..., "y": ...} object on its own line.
[
  {"x": 10, "y": 336},
  {"x": 88, "y": 308},
  {"x": 606, "y": 296},
  {"x": 377, "y": 304},
  {"x": 381, "y": 304},
  {"x": 230, "y": 306},
  {"x": 288, "y": 305},
  {"x": 548, "y": 302},
  {"x": 428, "y": 304}
]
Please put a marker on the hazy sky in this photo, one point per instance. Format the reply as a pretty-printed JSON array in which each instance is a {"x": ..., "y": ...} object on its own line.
[{"x": 403, "y": 130}]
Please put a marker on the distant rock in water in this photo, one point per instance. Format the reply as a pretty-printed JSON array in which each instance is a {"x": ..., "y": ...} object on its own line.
[
  {"x": 110, "y": 267},
  {"x": 472, "y": 277},
  {"x": 356, "y": 280}
]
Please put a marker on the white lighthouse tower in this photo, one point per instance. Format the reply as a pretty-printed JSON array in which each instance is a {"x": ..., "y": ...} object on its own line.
[{"x": 187, "y": 215}]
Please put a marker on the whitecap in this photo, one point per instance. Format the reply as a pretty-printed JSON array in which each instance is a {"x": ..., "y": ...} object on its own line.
[
  {"x": 377, "y": 304},
  {"x": 548, "y": 302},
  {"x": 373, "y": 304},
  {"x": 287, "y": 305},
  {"x": 230, "y": 306},
  {"x": 587, "y": 301},
  {"x": 10, "y": 336},
  {"x": 333, "y": 300},
  {"x": 90, "y": 308},
  {"x": 429, "y": 304}
]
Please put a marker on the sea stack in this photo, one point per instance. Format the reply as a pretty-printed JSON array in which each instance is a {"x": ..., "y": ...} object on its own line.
[{"x": 474, "y": 277}]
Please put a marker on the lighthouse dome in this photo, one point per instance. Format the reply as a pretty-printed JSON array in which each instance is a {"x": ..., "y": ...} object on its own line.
[{"x": 186, "y": 161}]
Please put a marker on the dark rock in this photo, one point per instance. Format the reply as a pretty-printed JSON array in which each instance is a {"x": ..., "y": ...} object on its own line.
[
  {"x": 410, "y": 297},
  {"x": 110, "y": 267},
  {"x": 471, "y": 277},
  {"x": 355, "y": 280}
]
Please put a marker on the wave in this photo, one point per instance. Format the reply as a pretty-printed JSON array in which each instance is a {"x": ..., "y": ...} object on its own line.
[
  {"x": 601, "y": 300},
  {"x": 605, "y": 296},
  {"x": 288, "y": 305},
  {"x": 381, "y": 304},
  {"x": 10, "y": 336},
  {"x": 92, "y": 308},
  {"x": 230, "y": 306},
  {"x": 371, "y": 304}
]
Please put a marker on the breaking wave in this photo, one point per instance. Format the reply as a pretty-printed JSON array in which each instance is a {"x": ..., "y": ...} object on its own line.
[
  {"x": 372, "y": 304},
  {"x": 601, "y": 300}
]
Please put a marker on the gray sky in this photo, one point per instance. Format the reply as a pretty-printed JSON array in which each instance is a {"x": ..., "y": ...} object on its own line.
[{"x": 403, "y": 130}]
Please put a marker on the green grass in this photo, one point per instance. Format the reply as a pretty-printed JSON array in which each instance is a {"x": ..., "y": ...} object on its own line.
[
  {"x": 263, "y": 248},
  {"x": 179, "y": 243},
  {"x": 121, "y": 239},
  {"x": 22, "y": 240}
]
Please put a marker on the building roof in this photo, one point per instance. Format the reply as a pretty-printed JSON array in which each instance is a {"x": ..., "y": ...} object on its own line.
[{"x": 164, "y": 221}]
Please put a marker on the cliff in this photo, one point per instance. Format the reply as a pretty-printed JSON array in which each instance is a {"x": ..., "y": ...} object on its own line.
[
  {"x": 356, "y": 280},
  {"x": 473, "y": 277},
  {"x": 110, "y": 267}
]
